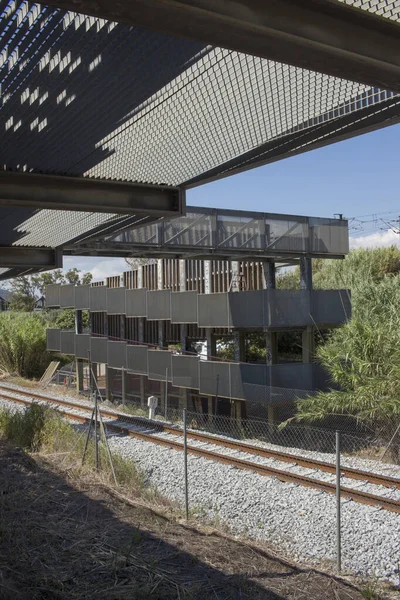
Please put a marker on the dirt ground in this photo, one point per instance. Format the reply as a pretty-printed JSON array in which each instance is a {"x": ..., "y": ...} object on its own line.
[{"x": 63, "y": 537}]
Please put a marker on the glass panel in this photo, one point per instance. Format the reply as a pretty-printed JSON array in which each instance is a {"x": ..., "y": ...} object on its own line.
[
  {"x": 286, "y": 235},
  {"x": 190, "y": 230},
  {"x": 238, "y": 232}
]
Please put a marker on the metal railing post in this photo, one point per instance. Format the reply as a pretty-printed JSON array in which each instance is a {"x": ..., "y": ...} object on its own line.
[
  {"x": 185, "y": 463},
  {"x": 338, "y": 512}
]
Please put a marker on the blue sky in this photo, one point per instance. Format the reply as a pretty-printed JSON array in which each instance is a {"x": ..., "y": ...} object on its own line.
[{"x": 356, "y": 177}]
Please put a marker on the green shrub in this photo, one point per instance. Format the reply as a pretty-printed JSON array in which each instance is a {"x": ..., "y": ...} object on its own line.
[
  {"x": 23, "y": 344},
  {"x": 32, "y": 427}
]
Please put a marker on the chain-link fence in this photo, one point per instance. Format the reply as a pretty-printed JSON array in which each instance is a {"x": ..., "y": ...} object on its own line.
[{"x": 265, "y": 418}]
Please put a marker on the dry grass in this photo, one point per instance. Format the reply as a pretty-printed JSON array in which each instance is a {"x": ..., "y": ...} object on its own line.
[{"x": 66, "y": 532}]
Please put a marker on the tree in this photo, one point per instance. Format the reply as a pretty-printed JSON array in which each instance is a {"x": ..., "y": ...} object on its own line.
[
  {"x": 363, "y": 356},
  {"x": 28, "y": 289}
]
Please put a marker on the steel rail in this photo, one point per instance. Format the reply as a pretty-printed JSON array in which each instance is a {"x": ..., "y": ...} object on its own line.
[
  {"x": 285, "y": 476},
  {"x": 349, "y": 472}
]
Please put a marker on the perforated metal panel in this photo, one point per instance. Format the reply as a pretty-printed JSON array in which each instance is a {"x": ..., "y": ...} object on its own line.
[
  {"x": 53, "y": 341},
  {"x": 296, "y": 376},
  {"x": 82, "y": 345},
  {"x": 67, "y": 296},
  {"x": 287, "y": 308},
  {"x": 67, "y": 342},
  {"x": 137, "y": 359},
  {"x": 246, "y": 309},
  {"x": 159, "y": 361},
  {"x": 214, "y": 377},
  {"x": 213, "y": 310},
  {"x": 184, "y": 307},
  {"x": 330, "y": 307},
  {"x": 52, "y": 295},
  {"x": 185, "y": 371},
  {"x": 159, "y": 305},
  {"x": 116, "y": 355},
  {"x": 98, "y": 299},
  {"x": 82, "y": 301},
  {"x": 116, "y": 301},
  {"x": 98, "y": 349},
  {"x": 136, "y": 303}
]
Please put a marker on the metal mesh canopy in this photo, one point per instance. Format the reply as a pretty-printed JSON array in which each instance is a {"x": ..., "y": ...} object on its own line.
[{"x": 84, "y": 96}]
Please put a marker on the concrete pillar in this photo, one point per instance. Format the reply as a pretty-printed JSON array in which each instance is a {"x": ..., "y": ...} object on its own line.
[
  {"x": 272, "y": 415},
  {"x": 161, "y": 334},
  {"x": 211, "y": 344},
  {"x": 239, "y": 346},
  {"x": 272, "y": 347},
  {"x": 269, "y": 270},
  {"x": 143, "y": 391},
  {"x": 210, "y": 408},
  {"x": 305, "y": 273},
  {"x": 122, "y": 327},
  {"x": 308, "y": 344},
  {"x": 184, "y": 339}
]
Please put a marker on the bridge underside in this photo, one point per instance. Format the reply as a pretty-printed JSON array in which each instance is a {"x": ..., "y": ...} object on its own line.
[{"x": 213, "y": 89}]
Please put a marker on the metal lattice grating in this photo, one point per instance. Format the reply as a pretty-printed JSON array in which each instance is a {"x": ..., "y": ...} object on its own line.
[{"x": 86, "y": 96}]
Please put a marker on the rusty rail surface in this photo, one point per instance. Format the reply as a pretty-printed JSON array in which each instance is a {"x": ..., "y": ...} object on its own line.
[{"x": 281, "y": 475}]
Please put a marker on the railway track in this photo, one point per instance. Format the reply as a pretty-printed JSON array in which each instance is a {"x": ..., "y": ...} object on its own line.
[{"x": 139, "y": 427}]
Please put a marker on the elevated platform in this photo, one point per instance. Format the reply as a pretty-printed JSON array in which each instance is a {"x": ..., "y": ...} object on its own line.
[
  {"x": 259, "y": 383},
  {"x": 205, "y": 233},
  {"x": 252, "y": 310}
]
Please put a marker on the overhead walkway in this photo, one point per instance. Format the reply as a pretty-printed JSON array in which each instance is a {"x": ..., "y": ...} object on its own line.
[{"x": 219, "y": 233}]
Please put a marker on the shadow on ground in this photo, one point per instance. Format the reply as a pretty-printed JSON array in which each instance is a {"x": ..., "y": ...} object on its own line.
[{"x": 64, "y": 539}]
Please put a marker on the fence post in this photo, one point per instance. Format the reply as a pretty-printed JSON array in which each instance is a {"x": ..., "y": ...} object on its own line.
[
  {"x": 338, "y": 512},
  {"x": 185, "y": 463},
  {"x": 166, "y": 396}
]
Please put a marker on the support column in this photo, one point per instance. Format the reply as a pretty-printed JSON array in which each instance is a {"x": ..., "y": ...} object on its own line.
[
  {"x": 239, "y": 346},
  {"x": 308, "y": 344},
  {"x": 272, "y": 347},
  {"x": 78, "y": 361},
  {"x": 269, "y": 270},
  {"x": 305, "y": 273},
  {"x": 210, "y": 408},
  {"x": 143, "y": 391},
  {"x": 272, "y": 415},
  {"x": 211, "y": 343}
]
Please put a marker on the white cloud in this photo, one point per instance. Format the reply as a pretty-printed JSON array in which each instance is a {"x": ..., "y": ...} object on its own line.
[
  {"x": 99, "y": 267},
  {"x": 374, "y": 240}
]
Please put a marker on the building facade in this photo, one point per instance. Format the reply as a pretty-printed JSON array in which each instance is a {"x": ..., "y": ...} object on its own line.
[{"x": 161, "y": 328}]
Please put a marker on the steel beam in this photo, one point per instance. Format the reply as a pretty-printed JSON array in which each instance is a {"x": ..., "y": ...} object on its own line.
[
  {"x": 321, "y": 35},
  {"x": 92, "y": 195},
  {"x": 19, "y": 257}
]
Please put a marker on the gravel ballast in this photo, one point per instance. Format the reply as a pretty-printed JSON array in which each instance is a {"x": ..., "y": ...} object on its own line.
[{"x": 299, "y": 522}]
